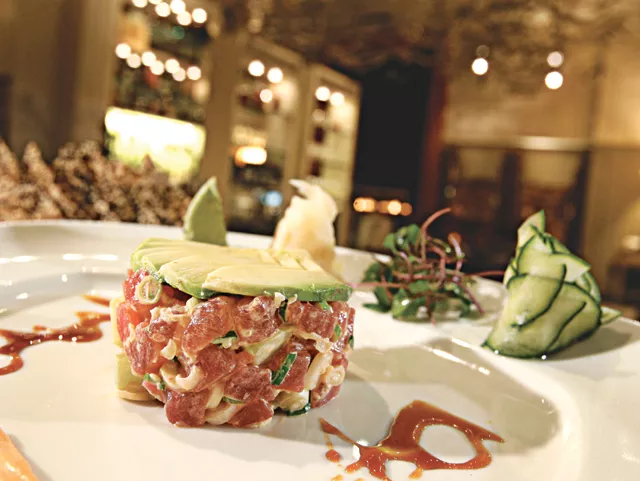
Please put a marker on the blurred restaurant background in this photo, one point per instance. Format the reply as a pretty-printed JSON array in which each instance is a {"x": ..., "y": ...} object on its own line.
[{"x": 118, "y": 110}]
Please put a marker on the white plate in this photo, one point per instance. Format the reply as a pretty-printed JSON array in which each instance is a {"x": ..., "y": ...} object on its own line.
[{"x": 574, "y": 418}]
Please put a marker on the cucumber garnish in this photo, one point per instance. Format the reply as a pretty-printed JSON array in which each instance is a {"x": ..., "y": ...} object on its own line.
[
  {"x": 554, "y": 301},
  {"x": 609, "y": 315}
]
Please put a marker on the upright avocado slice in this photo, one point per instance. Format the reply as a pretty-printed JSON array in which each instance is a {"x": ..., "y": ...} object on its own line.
[
  {"x": 204, "y": 220},
  {"x": 203, "y": 270}
]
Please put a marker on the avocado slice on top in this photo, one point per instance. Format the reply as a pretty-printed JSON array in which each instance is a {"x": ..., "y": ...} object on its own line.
[{"x": 204, "y": 270}]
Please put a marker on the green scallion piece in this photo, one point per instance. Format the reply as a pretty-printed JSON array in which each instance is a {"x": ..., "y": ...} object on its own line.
[
  {"x": 304, "y": 410},
  {"x": 278, "y": 376},
  {"x": 232, "y": 401},
  {"x": 337, "y": 332}
]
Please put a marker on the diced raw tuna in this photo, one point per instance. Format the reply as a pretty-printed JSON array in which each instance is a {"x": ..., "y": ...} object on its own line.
[
  {"x": 294, "y": 380},
  {"x": 252, "y": 415},
  {"x": 187, "y": 409},
  {"x": 210, "y": 320},
  {"x": 311, "y": 318},
  {"x": 256, "y": 318},
  {"x": 250, "y": 383}
]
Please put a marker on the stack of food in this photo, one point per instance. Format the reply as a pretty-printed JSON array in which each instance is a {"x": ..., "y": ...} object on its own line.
[
  {"x": 230, "y": 335},
  {"x": 82, "y": 184}
]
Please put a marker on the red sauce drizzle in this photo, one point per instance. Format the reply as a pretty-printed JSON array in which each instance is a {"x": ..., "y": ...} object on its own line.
[
  {"x": 403, "y": 442},
  {"x": 101, "y": 301},
  {"x": 86, "y": 329},
  {"x": 331, "y": 454}
]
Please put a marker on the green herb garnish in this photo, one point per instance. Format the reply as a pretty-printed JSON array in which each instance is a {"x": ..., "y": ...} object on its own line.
[
  {"x": 423, "y": 275},
  {"x": 351, "y": 342}
]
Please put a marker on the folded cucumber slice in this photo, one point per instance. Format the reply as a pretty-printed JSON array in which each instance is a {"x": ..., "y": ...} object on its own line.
[
  {"x": 585, "y": 323},
  {"x": 534, "y": 259},
  {"x": 575, "y": 267},
  {"x": 510, "y": 272},
  {"x": 529, "y": 298},
  {"x": 594, "y": 290},
  {"x": 609, "y": 315},
  {"x": 556, "y": 245},
  {"x": 534, "y": 223},
  {"x": 538, "y": 258},
  {"x": 586, "y": 280},
  {"x": 571, "y": 315},
  {"x": 583, "y": 283}
]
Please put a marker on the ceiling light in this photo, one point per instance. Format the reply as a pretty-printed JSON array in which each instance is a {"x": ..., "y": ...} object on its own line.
[
  {"x": 554, "y": 80},
  {"x": 184, "y": 19},
  {"x": 179, "y": 75},
  {"x": 275, "y": 75},
  {"x": 123, "y": 50},
  {"x": 555, "y": 59},
  {"x": 480, "y": 66},
  {"x": 256, "y": 68},
  {"x": 199, "y": 15},
  {"x": 134, "y": 61},
  {"x": 172, "y": 65},
  {"x": 194, "y": 73},
  {"x": 323, "y": 94},
  {"x": 163, "y": 9},
  {"x": 336, "y": 99},
  {"x": 266, "y": 95},
  {"x": 157, "y": 68},
  {"x": 178, "y": 6},
  {"x": 148, "y": 58}
]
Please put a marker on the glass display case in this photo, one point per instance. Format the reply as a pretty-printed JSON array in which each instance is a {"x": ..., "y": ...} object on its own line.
[
  {"x": 329, "y": 135},
  {"x": 254, "y": 120}
]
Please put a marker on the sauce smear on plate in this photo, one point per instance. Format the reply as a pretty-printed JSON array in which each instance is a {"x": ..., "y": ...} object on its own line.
[
  {"x": 101, "y": 301},
  {"x": 85, "y": 329},
  {"x": 403, "y": 442}
]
